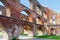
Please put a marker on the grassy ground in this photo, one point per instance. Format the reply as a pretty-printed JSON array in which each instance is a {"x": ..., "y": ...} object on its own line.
[
  {"x": 45, "y": 37},
  {"x": 48, "y": 37}
]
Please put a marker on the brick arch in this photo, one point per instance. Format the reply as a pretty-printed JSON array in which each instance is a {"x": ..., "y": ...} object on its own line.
[
  {"x": 45, "y": 10},
  {"x": 30, "y": 16},
  {"x": 28, "y": 27},
  {"x": 27, "y": 11},
  {"x": 40, "y": 7}
]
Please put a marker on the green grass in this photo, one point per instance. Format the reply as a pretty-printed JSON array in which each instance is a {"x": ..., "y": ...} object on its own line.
[
  {"x": 24, "y": 34},
  {"x": 48, "y": 37}
]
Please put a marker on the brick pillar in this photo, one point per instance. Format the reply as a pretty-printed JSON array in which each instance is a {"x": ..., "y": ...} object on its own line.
[
  {"x": 32, "y": 5},
  {"x": 34, "y": 30}
]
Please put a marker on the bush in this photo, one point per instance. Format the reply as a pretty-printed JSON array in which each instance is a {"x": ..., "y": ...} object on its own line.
[{"x": 15, "y": 39}]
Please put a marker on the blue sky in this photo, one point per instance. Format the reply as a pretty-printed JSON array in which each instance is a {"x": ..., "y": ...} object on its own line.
[{"x": 53, "y": 4}]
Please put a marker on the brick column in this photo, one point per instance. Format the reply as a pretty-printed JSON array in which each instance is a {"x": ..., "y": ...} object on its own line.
[{"x": 32, "y": 5}]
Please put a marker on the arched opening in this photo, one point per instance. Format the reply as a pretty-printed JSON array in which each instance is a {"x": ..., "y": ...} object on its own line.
[
  {"x": 40, "y": 31},
  {"x": 8, "y": 12},
  {"x": 40, "y": 28},
  {"x": 38, "y": 21},
  {"x": 53, "y": 31},
  {"x": 3, "y": 33},
  {"x": 54, "y": 19},
  {"x": 5, "y": 10},
  {"x": 31, "y": 19},
  {"x": 39, "y": 11},
  {"x": 24, "y": 13},
  {"x": 0, "y": 12},
  {"x": 54, "y": 22},
  {"x": 28, "y": 14},
  {"x": 44, "y": 15},
  {"x": 28, "y": 30}
]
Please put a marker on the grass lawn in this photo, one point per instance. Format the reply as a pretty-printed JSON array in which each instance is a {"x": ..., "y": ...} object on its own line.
[
  {"x": 48, "y": 37},
  {"x": 24, "y": 34}
]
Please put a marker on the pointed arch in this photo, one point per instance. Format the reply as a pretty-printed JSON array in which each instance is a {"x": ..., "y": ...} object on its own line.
[
  {"x": 24, "y": 13},
  {"x": 28, "y": 13}
]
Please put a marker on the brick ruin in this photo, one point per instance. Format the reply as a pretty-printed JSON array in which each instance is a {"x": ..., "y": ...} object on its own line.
[{"x": 14, "y": 22}]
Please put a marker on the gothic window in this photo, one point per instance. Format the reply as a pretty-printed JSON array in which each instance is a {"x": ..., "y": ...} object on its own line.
[
  {"x": 0, "y": 12},
  {"x": 54, "y": 16},
  {"x": 54, "y": 19},
  {"x": 37, "y": 20},
  {"x": 54, "y": 22}
]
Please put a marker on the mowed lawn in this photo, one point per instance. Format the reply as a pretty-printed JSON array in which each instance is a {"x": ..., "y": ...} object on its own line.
[{"x": 48, "y": 37}]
